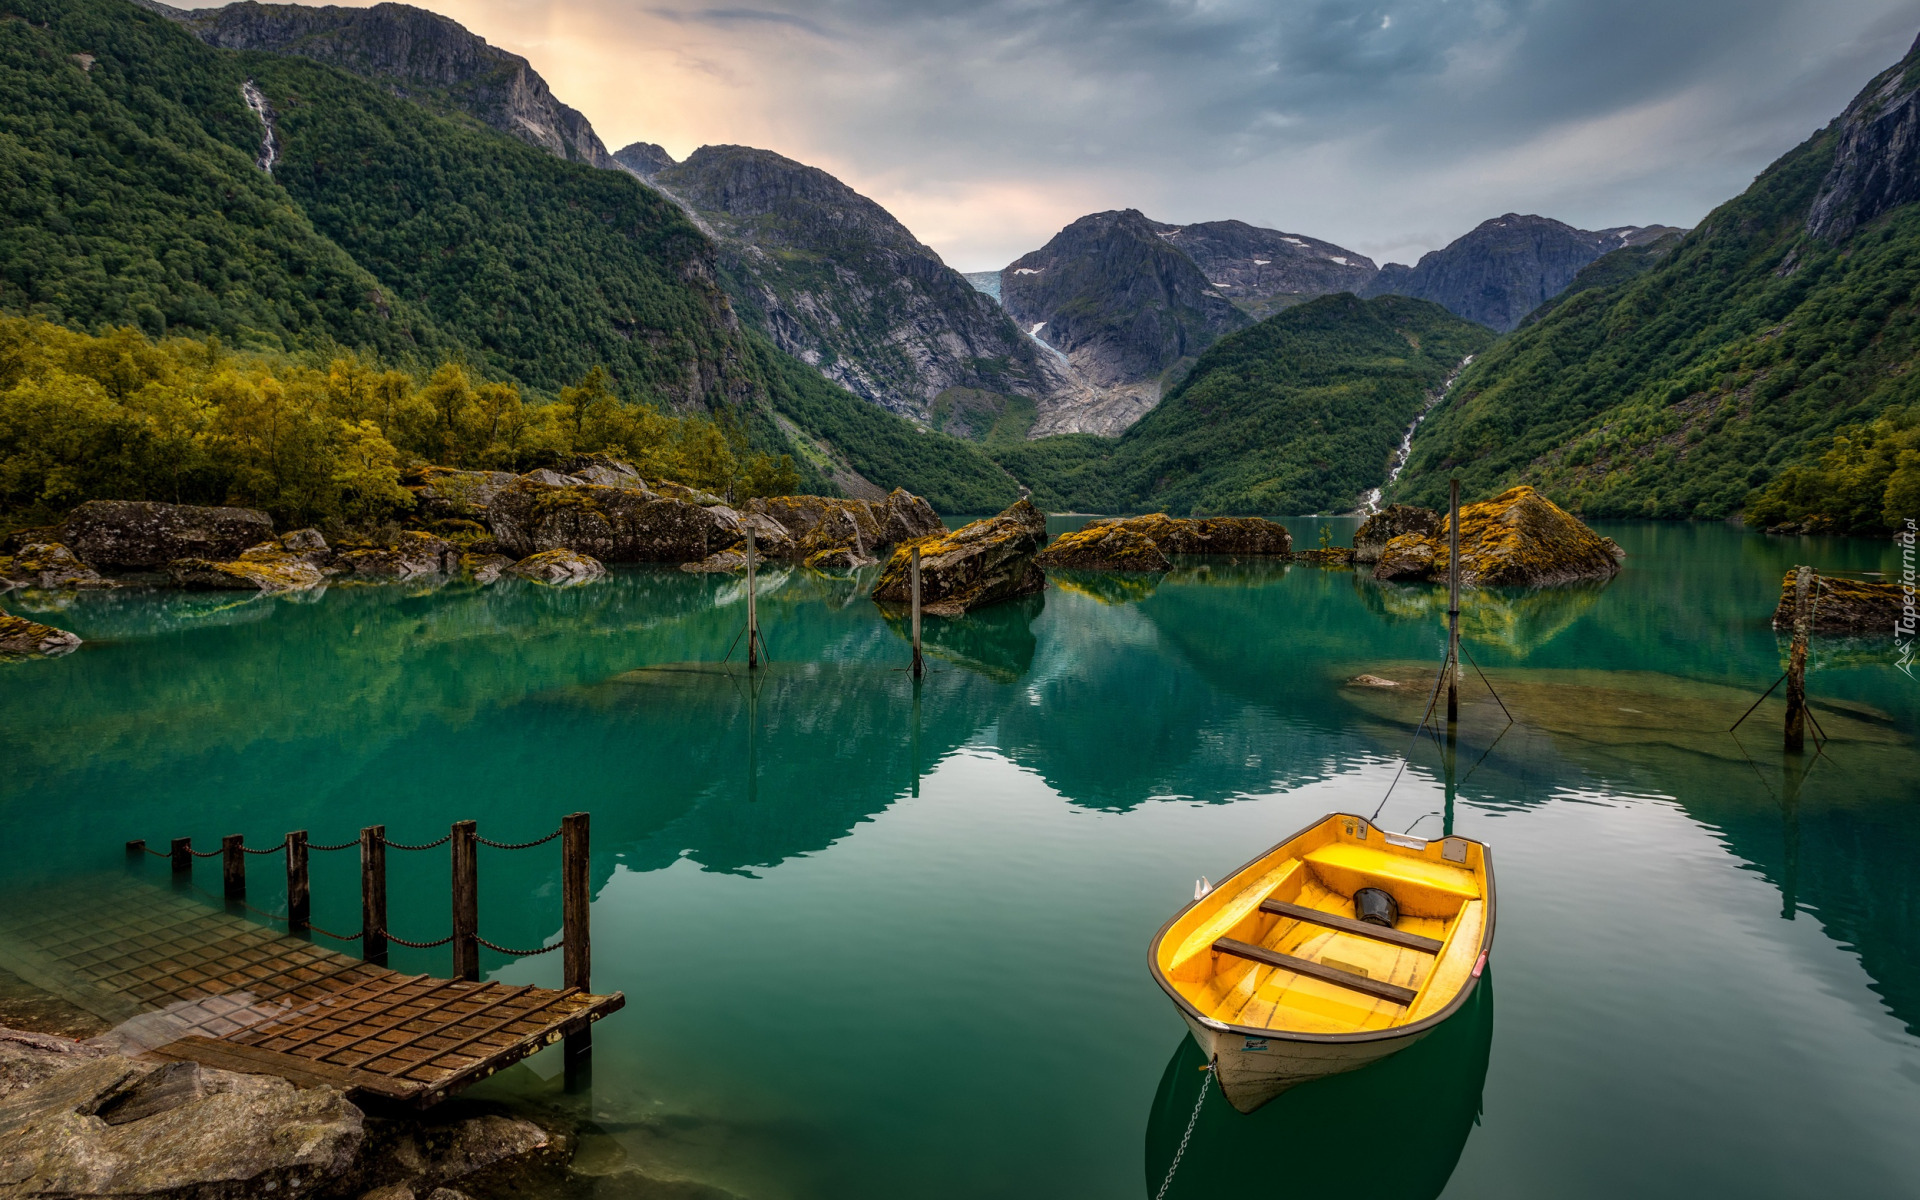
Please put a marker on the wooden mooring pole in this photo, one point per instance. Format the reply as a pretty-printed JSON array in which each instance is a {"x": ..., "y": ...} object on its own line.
[
  {"x": 913, "y": 572},
  {"x": 181, "y": 854},
  {"x": 1453, "y": 608},
  {"x": 466, "y": 902},
  {"x": 1803, "y": 582},
  {"x": 299, "y": 890},
  {"x": 753, "y": 615},
  {"x": 574, "y": 920},
  {"x": 373, "y": 894},
  {"x": 233, "y": 867}
]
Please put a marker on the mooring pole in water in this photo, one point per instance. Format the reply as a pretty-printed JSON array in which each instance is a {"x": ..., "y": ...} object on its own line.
[
  {"x": 466, "y": 902},
  {"x": 1803, "y": 580},
  {"x": 299, "y": 892},
  {"x": 919, "y": 664},
  {"x": 914, "y": 747},
  {"x": 1796, "y": 770},
  {"x": 578, "y": 969},
  {"x": 1453, "y": 607},
  {"x": 233, "y": 867},
  {"x": 373, "y": 894},
  {"x": 136, "y": 850},
  {"x": 181, "y": 855},
  {"x": 753, "y": 614}
]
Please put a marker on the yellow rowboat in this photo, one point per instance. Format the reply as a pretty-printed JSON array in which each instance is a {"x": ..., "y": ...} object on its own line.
[{"x": 1297, "y": 967}]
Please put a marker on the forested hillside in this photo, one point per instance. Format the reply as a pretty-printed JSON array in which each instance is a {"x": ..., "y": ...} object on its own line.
[
  {"x": 1299, "y": 413},
  {"x": 1749, "y": 348}
]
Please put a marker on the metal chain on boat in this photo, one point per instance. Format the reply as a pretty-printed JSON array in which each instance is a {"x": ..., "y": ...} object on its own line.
[
  {"x": 517, "y": 845},
  {"x": 1185, "y": 1137}
]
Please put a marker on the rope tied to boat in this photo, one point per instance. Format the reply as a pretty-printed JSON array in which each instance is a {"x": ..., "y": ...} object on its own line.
[{"x": 1187, "y": 1136}]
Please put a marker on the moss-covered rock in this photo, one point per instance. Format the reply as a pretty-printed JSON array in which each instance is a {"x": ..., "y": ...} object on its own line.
[
  {"x": 1389, "y": 523},
  {"x": 21, "y": 638},
  {"x": 1117, "y": 547},
  {"x": 48, "y": 565},
  {"x": 976, "y": 565},
  {"x": 444, "y": 493},
  {"x": 558, "y": 567},
  {"x": 613, "y": 524},
  {"x": 1849, "y": 606},
  {"x": 727, "y": 561},
  {"x": 260, "y": 569},
  {"x": 409, "y": 556},
  {"x": 1517, "y": 539},
  {"x": 137, "y": 534},
  {"x": 484, "y": 568},
  {"x": 1242, "y": 536}
]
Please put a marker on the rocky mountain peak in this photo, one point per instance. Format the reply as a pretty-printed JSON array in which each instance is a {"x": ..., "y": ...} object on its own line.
[
  {"x": 1265, "y": 270},
  {"x": 644, "y": 159},
  {"x": 1876, "y": 165},
  {"x": 787, "y": 201},
  {"x": 411, "y": 50}
]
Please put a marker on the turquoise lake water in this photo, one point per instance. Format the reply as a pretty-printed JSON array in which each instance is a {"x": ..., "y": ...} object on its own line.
[{"x": 880, "y": 941}]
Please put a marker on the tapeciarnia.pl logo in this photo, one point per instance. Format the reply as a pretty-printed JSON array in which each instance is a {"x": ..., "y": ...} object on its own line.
[{"x": 1903, "y": 629}]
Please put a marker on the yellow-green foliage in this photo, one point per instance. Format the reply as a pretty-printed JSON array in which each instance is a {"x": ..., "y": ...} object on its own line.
[
  {"x": 1867, "y": 480},
  {"x": 124, "y": 418}
]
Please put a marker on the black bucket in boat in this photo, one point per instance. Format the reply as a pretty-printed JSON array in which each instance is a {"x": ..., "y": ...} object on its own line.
[{"x": 1376, "y": 907}]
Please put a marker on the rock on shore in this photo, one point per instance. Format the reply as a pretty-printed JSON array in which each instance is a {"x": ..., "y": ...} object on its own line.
[
  {"x": 50, "y": 566},
  {"x": 1389, "y": 523},
  {"x": 1517, "y": 539},
  {"x": 20, "y": 637},
  {"x": 1848, "y": 606},
  {"x": 263, "y": 568},
  {"x": 140, "y": 534},
  {"x": 1115, "y": 547},
  {"x": 976, "y": 565},
  {"x": 1246, "y": 536},
  {"x": 558, "y": 567}
]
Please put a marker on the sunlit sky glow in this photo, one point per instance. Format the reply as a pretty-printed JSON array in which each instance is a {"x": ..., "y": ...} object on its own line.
[{"x": 1390, "y": 128}]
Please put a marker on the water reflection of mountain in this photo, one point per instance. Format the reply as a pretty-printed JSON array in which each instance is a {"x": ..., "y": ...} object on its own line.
[{"x": 1392, "y": 1131}]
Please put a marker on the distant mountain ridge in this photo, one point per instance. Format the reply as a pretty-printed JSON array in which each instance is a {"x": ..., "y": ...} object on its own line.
[
  {"x": 1505, "y": 268},
  {"x": 1265, "y": 270}
]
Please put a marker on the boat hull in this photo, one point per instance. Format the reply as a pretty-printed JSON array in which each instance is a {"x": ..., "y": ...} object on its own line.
[{"x": 1253, "y": 1070}]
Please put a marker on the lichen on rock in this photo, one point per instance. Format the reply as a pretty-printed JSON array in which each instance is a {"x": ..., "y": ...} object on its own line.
[
  {"x": 1246, "y": 536},
  {"x": 1517, "y": 539},
  {"x": 1105, "y": 547},
  {"x": 21, "y": 638},
  {"x": 558, "y": 567},
  {"x": 260, "y": 569},
  {"x": 410, "y": 555},
  {"x": 1389, "y": 523},
  {"x": 1847, "y": 606},
  {"x": 139, "y": 534},
  {"x": 49, "y": 566},
  {"x": 979, "y": 564}
]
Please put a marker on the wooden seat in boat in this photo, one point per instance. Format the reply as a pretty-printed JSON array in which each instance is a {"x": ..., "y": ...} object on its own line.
[
  {"x": 1313, "y": 970},
  {"x": 1379, "y": 933}
]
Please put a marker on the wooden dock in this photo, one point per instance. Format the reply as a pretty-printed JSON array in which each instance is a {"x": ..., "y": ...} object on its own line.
[{"x": 184, "y": 980}]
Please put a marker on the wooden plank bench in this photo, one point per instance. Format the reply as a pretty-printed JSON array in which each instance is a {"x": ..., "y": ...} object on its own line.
[
  {"x": 1312, "y": 970},
  {"x": 1366, "y": 929}
]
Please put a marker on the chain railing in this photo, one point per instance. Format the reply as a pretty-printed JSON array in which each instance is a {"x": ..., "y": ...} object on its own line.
[{"x": 374, "y": 934}]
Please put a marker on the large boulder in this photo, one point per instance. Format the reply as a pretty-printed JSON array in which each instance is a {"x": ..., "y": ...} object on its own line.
[
  {"x": 1243, "y": 536},
  {"x": 409, "y": 556},
  {"x": 143, "y": 534},
  {"x": 978, "y": 564},
  {"x": 1517, "y": 539},
  {"x": 838, "y": 532},
  {"x": 20, "y": 637},
  {"x": 80, "y": 1121},
  {"x": 613, "y": 524},
  {"x": 1116, "y": 547},
  {"x": 1849, "y": 606},
  {"x": 1389, "y": 523},
  {"x": 263, "y": 568},
  {"x": 48, "y": 565},
  {"x": 558, "y": 567},
  {"x": 442, "y": 493}
]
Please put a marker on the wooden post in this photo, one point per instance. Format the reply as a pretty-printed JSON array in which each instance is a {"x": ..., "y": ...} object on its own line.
[
  {"x": 136, "y": 850},
  {"x": 574, "y": 907},
  {"x": 233, "y": 867},
  {"x": 373, "y": 894},
  {"x": 753, "y": 616},
  {"x": 466, "y": 901},
  {"x": 182, "y": 855},
  {"x": 1803, "y": 580},
  {"x": 913, "y": 570},
  {"x": 299, "y": 892},
  {"x": 1453, "y": 605}
]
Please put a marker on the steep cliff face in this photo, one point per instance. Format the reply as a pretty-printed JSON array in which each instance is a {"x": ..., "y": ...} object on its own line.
[
  {"x": 1128, "y": 309},
  {"x": 417, "y": 54},
  {"x": 1265, "y": 270},
  {"x": 1507, "y": 267},
  {"x": 835, "y": 280},
  {"x": 1876, "y": 166},
  {"x": 644, "y": 159}
]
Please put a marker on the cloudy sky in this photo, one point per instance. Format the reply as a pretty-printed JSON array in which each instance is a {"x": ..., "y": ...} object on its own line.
[{"x": 1388, "y": 126}]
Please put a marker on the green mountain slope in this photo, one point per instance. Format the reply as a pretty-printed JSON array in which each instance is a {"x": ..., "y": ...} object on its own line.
[
  {"x": 1746, "y": 349},
  {"x": 1299, "y": 413}
]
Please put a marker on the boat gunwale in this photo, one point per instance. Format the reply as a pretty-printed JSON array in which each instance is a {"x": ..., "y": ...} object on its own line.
[{"x": 1365, "y": 1035}]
